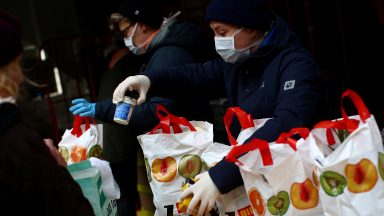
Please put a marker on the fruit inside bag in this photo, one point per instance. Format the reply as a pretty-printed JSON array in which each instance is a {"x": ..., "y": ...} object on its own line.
[{"x": 183, "y": 205}]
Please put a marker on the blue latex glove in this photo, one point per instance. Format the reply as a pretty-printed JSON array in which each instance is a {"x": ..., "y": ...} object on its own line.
[{"x": 83, "y": 108}]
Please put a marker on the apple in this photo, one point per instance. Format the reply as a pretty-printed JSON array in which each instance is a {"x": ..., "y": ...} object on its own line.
[
  {"x": 361, "y": 177},
  {"x": 164, "y": 170},
  {"x": 304, "y": 195}
]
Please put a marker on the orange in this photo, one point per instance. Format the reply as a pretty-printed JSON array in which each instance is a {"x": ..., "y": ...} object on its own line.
[
  {"x": 78, "y": 154},
  {"x": 257, "y": 201}
]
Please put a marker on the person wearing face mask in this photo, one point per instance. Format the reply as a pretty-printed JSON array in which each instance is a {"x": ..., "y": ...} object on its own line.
[
  {"x": 263, "y": 69},
  {"x": 160, "y": 42},
  {"x": 33, "y": 174},
  {"x": 156, "y": 43}
]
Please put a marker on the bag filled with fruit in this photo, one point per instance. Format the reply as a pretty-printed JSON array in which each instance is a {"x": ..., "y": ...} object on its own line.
[
  {"x": 278, "y": 176},
  {"x": 276, "y": 170},
  {"x": 235, "y": 202},
  {"x": 172, "y": 154},
  {"x": 349, "y": 161},
  {"x": 83, "y": 141}
]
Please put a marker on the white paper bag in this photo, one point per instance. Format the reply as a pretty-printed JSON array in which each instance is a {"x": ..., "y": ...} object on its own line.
[
  {"x": 351, "y": 175},
  {"x": 172, "y": 153}
]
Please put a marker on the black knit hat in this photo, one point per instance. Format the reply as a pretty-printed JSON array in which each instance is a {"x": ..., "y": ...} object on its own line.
[
  {"x": 10, "y": 38},
  {"x": 253, "y": 14},
  {"x": 144, "y": 11}
]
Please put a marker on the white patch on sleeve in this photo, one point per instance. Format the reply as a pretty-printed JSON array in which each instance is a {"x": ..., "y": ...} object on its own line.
[
  {"x": 289, "y": 85},
  {"x": 262, "y": 85}
]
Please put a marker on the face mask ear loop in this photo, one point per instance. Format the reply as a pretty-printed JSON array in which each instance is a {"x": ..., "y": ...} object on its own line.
[
  {"x": 145, "y": 43},
  {"x": 169, "y": 18},
  {"x": 134, "y": 30},
  {"x": 233, "y": 37},
  {"x": 256, "y": 43},
  {"x": 130, "y": 37}
]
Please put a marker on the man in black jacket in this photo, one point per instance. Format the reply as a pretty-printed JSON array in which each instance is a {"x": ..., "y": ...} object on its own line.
[
  {"x": 161, "y": 44},
  {"x": 157, "y": 43}
]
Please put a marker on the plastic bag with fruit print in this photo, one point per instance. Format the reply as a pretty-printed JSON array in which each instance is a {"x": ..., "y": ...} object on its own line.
[
  {"x": 172, "y": 153},
  {"x": 276, "y": 174},
  {"x": 83, "y": 141},
  {"x": 235, "y": 202},
  {"x": 349, "y": 160}
]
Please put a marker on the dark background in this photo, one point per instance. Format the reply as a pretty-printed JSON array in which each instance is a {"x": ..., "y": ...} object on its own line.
[{"x": 345, "y": 37}]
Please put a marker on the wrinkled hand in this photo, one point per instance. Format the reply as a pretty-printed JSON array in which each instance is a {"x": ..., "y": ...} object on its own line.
[
  {"x": 140, "y": 83},
  {"x": 204, "y": 192},
  {"x": 83, "y": 108},
  {"x": 55, "y": 153}
]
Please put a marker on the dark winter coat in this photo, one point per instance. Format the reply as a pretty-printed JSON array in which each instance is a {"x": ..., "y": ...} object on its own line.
[
  {"x": 280, "y": 80},
  {"x": 31, "y": 181}
]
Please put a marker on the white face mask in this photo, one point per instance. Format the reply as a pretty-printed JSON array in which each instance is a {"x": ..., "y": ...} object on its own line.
[
  {"x": 225, "y": 47},
  {"x": 137, "y": 50}
]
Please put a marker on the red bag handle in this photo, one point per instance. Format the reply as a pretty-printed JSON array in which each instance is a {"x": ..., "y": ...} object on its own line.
[
  {"x": 359, "y": 104},
  {"x": 245, "y": 119},
  {"x": 239, "y": 150},
  {"x": 345, "y": 124},
  {"x": 287, "y": 137},
  {"x": 167, "y": 120},
  {"x": 76, "y": 130}
]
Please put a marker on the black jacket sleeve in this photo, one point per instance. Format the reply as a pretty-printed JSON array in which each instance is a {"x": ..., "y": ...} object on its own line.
[
  {"x": 105, "y": 110},
  {"x": 226, "y": 176}
]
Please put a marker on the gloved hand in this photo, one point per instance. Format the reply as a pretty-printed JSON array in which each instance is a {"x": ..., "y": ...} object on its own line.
[
  {"x": 139, "y": 83},
  {"x": 204, "y": 191},
  {"x": 83, "y": 108}
]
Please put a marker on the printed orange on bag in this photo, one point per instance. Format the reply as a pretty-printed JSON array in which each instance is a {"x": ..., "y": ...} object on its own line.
[{"x": 78, "y": 154}]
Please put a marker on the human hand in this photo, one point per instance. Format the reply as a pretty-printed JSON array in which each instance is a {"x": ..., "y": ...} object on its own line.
[
  {"x": 139, "y": 83},
  {"x": 204, "y": 192},
  {"x": 55, "y": 153},
  {"x": 83, "y": 108}
]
